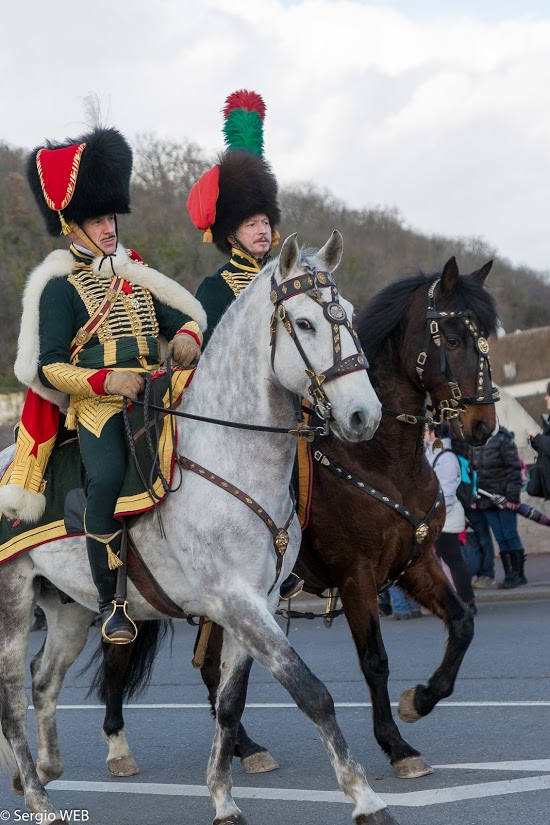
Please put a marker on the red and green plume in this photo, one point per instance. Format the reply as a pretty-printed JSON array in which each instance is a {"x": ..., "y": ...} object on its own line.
[
  {"x": 243, "y": 128},
  {"x": 242, "y": 183}
]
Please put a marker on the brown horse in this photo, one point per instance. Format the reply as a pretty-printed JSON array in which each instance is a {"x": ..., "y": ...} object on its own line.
[
  {"x": 423, "y": 335},
  {"x": 381, "y": 541}
]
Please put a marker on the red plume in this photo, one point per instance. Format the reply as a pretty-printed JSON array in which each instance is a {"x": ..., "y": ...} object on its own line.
[{"x": 243, "y": 99}]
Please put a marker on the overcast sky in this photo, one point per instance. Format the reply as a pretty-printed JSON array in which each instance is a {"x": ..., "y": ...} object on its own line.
[{"x": 438, "y": 108}]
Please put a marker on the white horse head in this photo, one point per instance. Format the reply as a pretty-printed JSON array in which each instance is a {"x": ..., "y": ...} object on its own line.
[{"x": 321, "y": 337}]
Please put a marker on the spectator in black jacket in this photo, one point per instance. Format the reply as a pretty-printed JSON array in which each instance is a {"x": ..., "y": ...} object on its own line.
[
  {"x": 499, "y": 472},
  {"x": 477, "y": 519},
  {"x": 540, "y": 442}
]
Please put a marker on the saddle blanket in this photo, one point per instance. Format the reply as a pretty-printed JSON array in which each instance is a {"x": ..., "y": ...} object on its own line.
[{"x": 65, "y": 476}]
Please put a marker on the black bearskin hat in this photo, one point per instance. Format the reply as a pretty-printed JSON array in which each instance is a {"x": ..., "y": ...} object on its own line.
[
  {"x": 241, "y": 184},
  {"x": 247, "y": 187},
  {"x": 80, "y": 179}
]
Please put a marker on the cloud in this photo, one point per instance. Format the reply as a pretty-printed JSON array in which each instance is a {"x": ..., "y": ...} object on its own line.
[{"x": 446, "y": 117}]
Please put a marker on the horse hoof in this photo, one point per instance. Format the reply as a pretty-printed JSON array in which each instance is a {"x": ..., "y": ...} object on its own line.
[
  {"x": 407, "y": 710},
  {"x": 261, "y": 762},
  {"x": 234, "y": 819},
  {"x": 16, "y": 785},
  {"x": 122, "y": 766},
  {"x": 412, "y": 767},
  {"x": 383, "y": 817}
]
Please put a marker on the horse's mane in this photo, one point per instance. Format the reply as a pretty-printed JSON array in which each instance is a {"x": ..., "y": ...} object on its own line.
[{"x": 383, "y": 314}]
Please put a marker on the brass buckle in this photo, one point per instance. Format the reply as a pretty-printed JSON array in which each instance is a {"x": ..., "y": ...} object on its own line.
[
  {"x": 406, "y": 418},
  {"x": 303, "y": 431},
  {"x": 318, "y": 456}
]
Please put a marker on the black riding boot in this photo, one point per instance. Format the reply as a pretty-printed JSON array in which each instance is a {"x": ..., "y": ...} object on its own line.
[
  {"x": 291, "y": 586},
  {"x": 518, "y": 563},
  {"x": 511, "y": 578},
  {"x": 117, "y": 626}
]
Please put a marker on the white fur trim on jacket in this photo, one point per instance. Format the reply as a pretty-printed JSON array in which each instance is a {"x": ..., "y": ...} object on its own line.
[
  {"x": 17, "y": 503},
  {"x": 60, "y": 263}
]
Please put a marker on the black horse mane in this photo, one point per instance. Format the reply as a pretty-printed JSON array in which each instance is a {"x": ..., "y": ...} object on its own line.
[{"x": 383, "y": 314}]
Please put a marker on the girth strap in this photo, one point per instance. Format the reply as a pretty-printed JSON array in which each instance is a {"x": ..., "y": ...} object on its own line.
[
  {"x": 420, "y": 527},
  {"x": 279, "y": 534},
  {"x": 142, "y": 578}
]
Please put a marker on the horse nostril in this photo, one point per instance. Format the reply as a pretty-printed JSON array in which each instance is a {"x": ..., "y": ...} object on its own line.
[
  {"x": 481, "y": 431},
  {"x": 358, "y": 422}
]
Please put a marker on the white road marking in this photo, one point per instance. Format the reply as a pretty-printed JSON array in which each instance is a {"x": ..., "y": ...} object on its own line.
[
  {"x": 530, "y": 765},
  {"x": 283, "y": 705},
  {"x": 412, "y": 799}
]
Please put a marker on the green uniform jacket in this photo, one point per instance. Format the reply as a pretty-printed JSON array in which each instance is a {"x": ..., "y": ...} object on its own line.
[
  {"x": 63, "y": 313},
  {"x": 218, "y": 291}
]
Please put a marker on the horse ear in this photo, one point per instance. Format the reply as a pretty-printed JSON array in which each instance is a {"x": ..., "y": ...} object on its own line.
[
  {"x": 450, "y": 275},
  {"x": 288, "y": 256},
  {"x": 483, "y": 272},
  {"x": 331, "y": 252}
]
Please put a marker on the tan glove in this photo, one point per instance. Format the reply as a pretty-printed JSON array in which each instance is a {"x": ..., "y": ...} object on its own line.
[
  {"x": 184, "y": 350},
  {"x": 126, "y": 383}
]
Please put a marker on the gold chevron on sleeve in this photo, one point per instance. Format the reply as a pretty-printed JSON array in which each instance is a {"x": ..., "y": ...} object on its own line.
[
  {"x": 192, "y": 326},
  {"x": 28, "y": 470},
  {"x": 93, "y": 413},
  {"x": 69, "y": 379}
]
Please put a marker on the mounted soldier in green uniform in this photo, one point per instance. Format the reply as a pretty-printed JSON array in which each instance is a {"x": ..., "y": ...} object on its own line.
[
  {"x": 235, "y": 204},
  {"x": 93, "y": 317}
]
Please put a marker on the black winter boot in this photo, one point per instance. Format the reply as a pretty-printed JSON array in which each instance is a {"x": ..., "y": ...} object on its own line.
[
  {"x": 511, "y": 578},
  {"x": 39, "y": 620},
  {"x": 292, "y": 586},
  {"x": 518, "y": 563},
  {"x": 117, "y": 627}
]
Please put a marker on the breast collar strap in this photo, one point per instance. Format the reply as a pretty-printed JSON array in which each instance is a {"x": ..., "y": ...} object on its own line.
[
  {"x": 279, "y": 535},
  {"x": 421, "y": 528}
]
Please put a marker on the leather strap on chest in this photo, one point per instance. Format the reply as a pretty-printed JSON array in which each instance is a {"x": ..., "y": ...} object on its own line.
[{"x": 99, "y": 317}]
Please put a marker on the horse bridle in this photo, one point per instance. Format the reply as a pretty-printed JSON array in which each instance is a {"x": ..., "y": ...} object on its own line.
[
  {"x": 451, "y": 408},
  {"x": 311, "y": 284}
]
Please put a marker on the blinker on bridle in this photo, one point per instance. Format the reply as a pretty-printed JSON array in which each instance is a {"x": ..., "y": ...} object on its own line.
[
  {"x": 454, "y": 406},
  {"x": 311, "y": 285}
]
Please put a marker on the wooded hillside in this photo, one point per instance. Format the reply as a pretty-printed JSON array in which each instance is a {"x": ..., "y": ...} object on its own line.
[{"x": 378, "y": 245}]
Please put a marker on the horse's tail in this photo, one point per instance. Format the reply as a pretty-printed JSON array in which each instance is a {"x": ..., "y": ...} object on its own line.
[{"x": 127, "y": 669}]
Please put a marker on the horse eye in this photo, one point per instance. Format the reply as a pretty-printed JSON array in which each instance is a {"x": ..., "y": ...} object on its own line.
[
  {"x": 303, "y": 323},
  {"x": 453, "y": 342}
]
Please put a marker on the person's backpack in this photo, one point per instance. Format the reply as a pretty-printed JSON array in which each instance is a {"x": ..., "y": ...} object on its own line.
[
  {"x": 524, "y": 473},
  {"x": 466, "y": 492}
]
